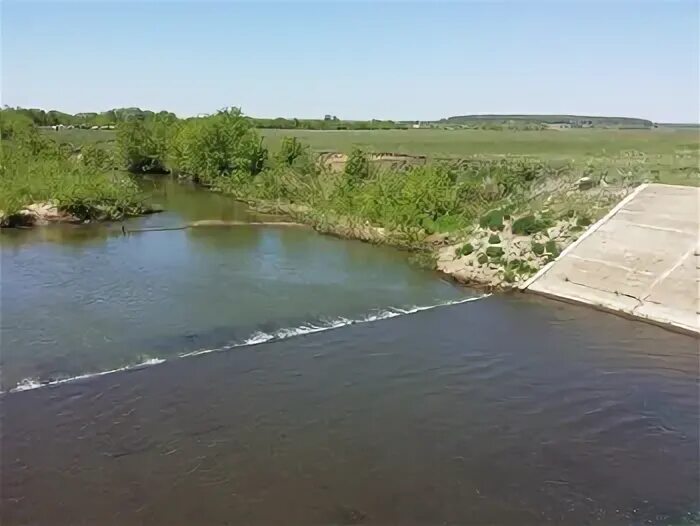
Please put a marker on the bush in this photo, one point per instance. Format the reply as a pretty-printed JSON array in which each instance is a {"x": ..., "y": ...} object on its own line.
[
  {"x": 357, "y": 166},
  {"x": 492, "y": 220},
  {"x": 291, "y": 149},
  {"x": 143, "y": 146},
  {"x": 494, "y": 239},
  {"x": 221, "y": 145},
  {"x": 552, "y": 248},
  {"x": 529, "y": 224},
  {"x": 537, "y": 248},
  {"x": 482, "y": 259},
  {"x": 466, "y": 249},
  {"x": 494, "y": 252},
  {"x": 28, "y": 177}
]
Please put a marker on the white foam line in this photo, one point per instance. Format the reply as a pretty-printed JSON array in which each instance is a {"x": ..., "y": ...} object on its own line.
[
  {"x": 255, "y": 339},
  {"x": 31, "y": 383}
]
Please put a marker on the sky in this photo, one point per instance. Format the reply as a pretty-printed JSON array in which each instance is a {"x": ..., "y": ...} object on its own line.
[{"x": 406, "y": 60}]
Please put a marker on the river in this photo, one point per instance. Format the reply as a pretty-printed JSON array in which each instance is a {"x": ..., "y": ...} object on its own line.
[{"x": 271, "y": 375}]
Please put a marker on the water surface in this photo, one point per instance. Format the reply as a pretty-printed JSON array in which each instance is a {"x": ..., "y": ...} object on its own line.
[{"x": 506, "y": 410}]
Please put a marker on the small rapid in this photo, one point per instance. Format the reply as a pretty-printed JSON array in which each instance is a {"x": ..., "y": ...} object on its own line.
[{"x": 256, "y": 338}]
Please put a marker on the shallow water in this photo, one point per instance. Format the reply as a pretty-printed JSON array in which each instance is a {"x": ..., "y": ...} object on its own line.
[
  {"x": 81, "y": 299},
  {"x": 504, "y": 410}
]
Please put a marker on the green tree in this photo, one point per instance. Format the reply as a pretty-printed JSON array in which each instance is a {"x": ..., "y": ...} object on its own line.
[{"x": 217, "y": 146}]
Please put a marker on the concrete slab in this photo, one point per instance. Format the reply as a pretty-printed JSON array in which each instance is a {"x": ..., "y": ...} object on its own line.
[{"x": 641, "y": 259}]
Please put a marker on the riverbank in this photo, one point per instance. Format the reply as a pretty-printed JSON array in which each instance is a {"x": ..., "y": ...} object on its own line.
[
  {"x": 42, "y": 182},
  {"x": 500, "y": 251},
  {"x": 489, "y": 222}
]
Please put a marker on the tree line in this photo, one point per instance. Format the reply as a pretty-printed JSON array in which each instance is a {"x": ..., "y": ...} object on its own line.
[{"x": 113, "y": 117}]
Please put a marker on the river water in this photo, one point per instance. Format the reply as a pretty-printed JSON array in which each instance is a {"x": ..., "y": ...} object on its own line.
[{"x": 270, "y": 375}]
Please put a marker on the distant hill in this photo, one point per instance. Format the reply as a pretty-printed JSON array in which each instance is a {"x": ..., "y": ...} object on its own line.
[{"x": 574, "y": 120}]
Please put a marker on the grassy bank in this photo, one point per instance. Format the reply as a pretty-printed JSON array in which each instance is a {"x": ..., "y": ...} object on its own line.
[
  {"x": 486, "y": 206},
  {"x": 35, "y": 171},
  {"x": 489, "y": 218}
]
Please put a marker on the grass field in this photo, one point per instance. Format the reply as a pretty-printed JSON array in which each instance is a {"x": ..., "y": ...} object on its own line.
[
  {"x": 670, "y": 155},
  {"x": 465, "y": 143}
]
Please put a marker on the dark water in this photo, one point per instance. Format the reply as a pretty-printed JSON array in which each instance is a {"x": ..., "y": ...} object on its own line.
[{"x": 505, "y": 410}]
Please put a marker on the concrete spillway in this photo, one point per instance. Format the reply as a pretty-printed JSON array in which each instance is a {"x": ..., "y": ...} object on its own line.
[{"x": 641, "y": 259}]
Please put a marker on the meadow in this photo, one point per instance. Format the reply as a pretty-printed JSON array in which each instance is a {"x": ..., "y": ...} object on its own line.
[
  {"x": 544, "y": 144},
  {"x": 669, "y": 155}
]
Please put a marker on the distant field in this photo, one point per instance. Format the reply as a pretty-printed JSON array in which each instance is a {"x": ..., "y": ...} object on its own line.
[
  {"x": 79, "y": 137},
  {"x": 463, "y": 143},
  {"x": 671, "y": 155},
  {"x": 563, "y": 144}
]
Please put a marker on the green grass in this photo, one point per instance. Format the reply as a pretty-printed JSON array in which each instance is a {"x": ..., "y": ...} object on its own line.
[
  {"x": 664, "y": 154},
  {"x": 546, "y": 144},
  {"x": 78, "y": 187},
  {"x": 79, "y": 138}
]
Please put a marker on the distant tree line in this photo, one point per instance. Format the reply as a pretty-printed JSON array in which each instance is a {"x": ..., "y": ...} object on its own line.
[
  {"x": 329, "y": 123},
  {"x": 115, "y": 116},
  {"x": 112, "y": 117}
]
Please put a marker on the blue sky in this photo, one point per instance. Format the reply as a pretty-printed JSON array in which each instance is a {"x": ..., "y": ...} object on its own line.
[{"x": 400, "y": 60}]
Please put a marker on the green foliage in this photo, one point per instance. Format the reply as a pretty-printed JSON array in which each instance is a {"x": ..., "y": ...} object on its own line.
[
  {"x": 14, "y": 125},
  {"x": 530, "y": 224},
  {"x": 96, "y": 158},
  {"x": 219, "y": 146},
  {"x": 446, "y": 223},
  {"x": 494, "y": 252},
  {"x": 482, "y": 258},
  {"x": 494, "y": 239},
  {"x": 466, "y": 249},
  {"x": 143, "y": 146},
  {"x": 291, "y": 150},
  {"x": 493, "y": 220},
  {"x": 537, "y": 248},
  {"x": 357, "y": 166},
  {"x": 29, "y": 176},
  {"x": 552, "y": 248}
]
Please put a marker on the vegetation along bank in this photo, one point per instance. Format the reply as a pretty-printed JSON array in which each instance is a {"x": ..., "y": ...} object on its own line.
[
  {"x": 486, "y": 219},
  {"x": 42, "y": 181}
]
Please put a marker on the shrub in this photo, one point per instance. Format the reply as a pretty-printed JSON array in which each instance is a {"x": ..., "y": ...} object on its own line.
[
  {"x": 466, "y": 249},
  {"x": 529, "y": 224},
  {"x": 218, "y": 146},
  {"x": 494, "y": 252},
  {"x": 27, "y": 177},
  {"x": 143, "y": 146},
  {"x": 552, "y": 248},
  {"x": 494, "y": 239},
  {"x": 482, "y": 258},
  {"x": 537, "y": 248},
  {"x": 290, "y": 150},
  {"x": 493, "y": 220},
  {"x": 357, "y": 166}
]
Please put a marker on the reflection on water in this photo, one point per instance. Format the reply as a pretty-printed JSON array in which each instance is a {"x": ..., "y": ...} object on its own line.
[{"x": 84, "y": 299}]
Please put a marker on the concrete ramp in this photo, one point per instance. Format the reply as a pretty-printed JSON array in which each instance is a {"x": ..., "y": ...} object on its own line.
[{"x": 641, "y": 259}]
